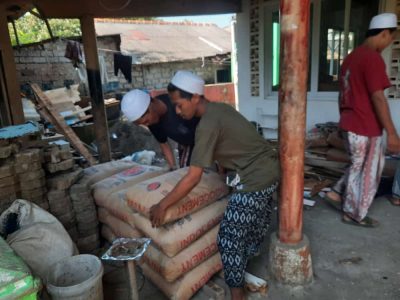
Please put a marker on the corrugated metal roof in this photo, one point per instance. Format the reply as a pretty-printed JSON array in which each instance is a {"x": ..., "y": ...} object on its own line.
[{"x": 160, "y": 41}]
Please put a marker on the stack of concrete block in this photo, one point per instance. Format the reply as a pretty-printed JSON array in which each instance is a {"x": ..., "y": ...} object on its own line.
[
  {"x": 60, "y": 167},
  {"x": 84, "y": 205},
  {"x": 9, "y": 186},
  {"x": 31, "y": 177},
  {"x": 60, "y": 201},
  {"x": 86, "y": 216}
]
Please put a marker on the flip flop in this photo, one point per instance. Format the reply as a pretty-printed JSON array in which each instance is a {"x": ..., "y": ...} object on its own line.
[
  {"x": 366, "y": 222},
  {"x": 394, "y": 201},
  {"x": 337, "y": 205}
]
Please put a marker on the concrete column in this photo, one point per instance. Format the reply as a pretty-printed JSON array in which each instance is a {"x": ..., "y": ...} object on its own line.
[
  {"x": 290, "y": 253},
  {"x": 95, "y": 87}
]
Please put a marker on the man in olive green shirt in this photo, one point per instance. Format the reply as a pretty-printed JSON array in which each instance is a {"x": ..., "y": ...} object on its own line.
[{"x": 225, "y": 136}]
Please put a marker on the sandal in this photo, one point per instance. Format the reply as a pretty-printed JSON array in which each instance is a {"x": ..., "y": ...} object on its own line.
[
  {"x": 366, "y": 222},
  {"x": 337, "y": 205},
  {"x": 394, "y": 201}
]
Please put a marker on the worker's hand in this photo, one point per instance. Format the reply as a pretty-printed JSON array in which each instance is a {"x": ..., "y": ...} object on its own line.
[
  {"x": 393, "y": 144},
  {"x": 157, "y": 214}
]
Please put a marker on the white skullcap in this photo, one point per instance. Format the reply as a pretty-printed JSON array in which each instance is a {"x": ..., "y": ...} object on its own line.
[
  {"x": 188, "y": 82},
  {"x": 383, "y": 21},
  {"x": 134, "y": 104}
]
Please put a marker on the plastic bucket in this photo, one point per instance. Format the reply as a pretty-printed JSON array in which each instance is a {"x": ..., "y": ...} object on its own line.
[{"x": 78, "y": 277}]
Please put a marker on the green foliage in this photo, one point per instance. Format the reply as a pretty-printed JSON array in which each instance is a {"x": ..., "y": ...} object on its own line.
[{"x": 31, "y": 29}]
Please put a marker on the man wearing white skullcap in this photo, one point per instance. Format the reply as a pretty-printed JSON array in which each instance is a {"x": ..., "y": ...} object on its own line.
[
  {"x": 159, "y": 115},
  {"x": 364, "y": 113},
  {"x": 225, "y": 136}
]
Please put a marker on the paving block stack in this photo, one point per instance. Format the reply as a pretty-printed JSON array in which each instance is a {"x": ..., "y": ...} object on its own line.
[
  {"x": 31, "y": 177},
  {"x": 183, "y": 254},
  {"x": 83, "y": 204},
  {"x": 61, "y": 172},
  {"x": 9, "y": 186}
]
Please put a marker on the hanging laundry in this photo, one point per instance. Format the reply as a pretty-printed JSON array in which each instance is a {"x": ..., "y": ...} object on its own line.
[
  {"x": 123, "y": 63},
  {"x": 103, "y": 70},
  {"x": 74, "y": 53}
]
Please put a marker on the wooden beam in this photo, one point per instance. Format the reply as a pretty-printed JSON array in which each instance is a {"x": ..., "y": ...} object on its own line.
[
  {"x": 12, "y": 92},
  {"x": 135, "y": 8},
  {"x": 46, "y": 110},
  {"x": 95, "y": 87}
]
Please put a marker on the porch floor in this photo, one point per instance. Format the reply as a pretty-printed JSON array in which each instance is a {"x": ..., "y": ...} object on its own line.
[{"x": 349, "y": 262}]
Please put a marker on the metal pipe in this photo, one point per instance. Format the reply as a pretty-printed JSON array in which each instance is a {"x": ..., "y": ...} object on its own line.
[{"x": 295, "y": 18}]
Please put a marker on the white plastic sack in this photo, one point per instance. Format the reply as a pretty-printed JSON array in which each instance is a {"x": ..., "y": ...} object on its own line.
[{"x": 41, "y": 240}]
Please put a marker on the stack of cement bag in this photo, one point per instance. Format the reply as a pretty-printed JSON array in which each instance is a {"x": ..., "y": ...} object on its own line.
[
  {"x": 110, "y": 196},
  {"x": 88, "y": 239},
  {"x": 183, "y": 254}
]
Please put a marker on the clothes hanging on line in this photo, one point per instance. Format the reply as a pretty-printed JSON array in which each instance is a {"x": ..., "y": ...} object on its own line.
[
  {"x": 74, "y": 53},
  {"x": 103, "y": 70},
  {"x": 123, "y": 63}
]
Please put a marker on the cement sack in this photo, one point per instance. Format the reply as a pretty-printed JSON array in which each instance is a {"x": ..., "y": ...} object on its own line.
[
  {"x": 41, "y": 240},
  {"x": 116, "y": 204},
  {"x": 174, "y": 237},
  {"x": 120, "y": 228},
  {"x": 172, "y": 268},
  {"x": 122, "y": 180},
  {"x": 144, "y": 195},
  {"x": 96, "y": 173},
  {"x": 107, "y": 233},
  {"x": 186, "y": 286}
]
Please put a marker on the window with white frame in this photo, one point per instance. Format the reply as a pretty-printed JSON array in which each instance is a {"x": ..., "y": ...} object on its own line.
[{"x": 336, "y": 28}]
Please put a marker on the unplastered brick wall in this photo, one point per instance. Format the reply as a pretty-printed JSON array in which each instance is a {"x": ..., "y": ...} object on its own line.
[
  {"x": 46, "y": 65},
  {"x": 156, "y": 76}
]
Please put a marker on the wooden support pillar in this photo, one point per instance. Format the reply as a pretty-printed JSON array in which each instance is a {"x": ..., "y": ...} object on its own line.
[
  {"x": 12, "y": 112},
  {"x": 95, "y": 87},
  {"x": 295, "y": 16}
]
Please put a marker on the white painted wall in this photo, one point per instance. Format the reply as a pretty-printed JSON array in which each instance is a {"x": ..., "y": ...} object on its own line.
[{"x": 319, "y": 110}]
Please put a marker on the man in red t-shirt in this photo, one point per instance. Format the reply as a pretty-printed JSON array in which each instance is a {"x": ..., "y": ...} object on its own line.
[{"x": 364, "y": 113}]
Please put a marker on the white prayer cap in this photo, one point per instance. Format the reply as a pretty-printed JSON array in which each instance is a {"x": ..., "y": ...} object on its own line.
[
  {"x": 383, "y": 21},
  {"x": 188, "y": 82},
  {"x": 134, "y": 104}
]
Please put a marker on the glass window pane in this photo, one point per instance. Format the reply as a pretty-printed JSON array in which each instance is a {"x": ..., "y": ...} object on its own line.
[
  {"x": 276, "y": 34},
  {"x": 332, "y": 36}
]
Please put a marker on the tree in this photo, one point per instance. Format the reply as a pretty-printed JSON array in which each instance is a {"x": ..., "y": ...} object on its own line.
[{"x": 31, "y": 29}]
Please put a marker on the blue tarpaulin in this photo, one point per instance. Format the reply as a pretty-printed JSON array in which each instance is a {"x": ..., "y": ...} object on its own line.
[{"x": 18, "y": 130}]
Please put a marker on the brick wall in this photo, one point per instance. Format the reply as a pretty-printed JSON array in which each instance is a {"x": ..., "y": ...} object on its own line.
[{"x": 46, "y": 65}]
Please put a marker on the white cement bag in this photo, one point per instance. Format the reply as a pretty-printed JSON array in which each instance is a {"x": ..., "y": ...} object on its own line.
[
  {"x": 98, "y": 172},
  {"x": 172, "y": 268},
  {"x": 173, "y": 237},
  {"x": 41, "y": 240},
  {"x": 107, "y": 233},
  {"x": 117, "y": 205},
  {"x": 120, "y": 228},
  {"x": 120, "y": 181},
  {"x": 186, "y": 286},
  {"x": 144, "y": 195}
]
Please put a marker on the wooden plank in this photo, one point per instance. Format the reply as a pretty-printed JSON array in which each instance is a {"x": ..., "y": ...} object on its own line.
[
  {"x": 12, "y": 84},
  {"x": 46, "y": 110},
  {"x": 95, "y": 87},
  {"x": 64, "y": 99}
]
